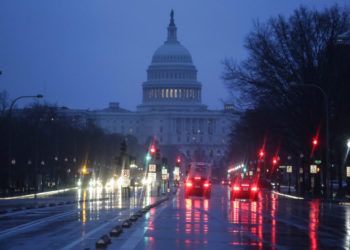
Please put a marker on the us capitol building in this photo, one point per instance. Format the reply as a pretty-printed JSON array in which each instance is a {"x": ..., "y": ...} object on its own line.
[{"x": 171, "y": 111}]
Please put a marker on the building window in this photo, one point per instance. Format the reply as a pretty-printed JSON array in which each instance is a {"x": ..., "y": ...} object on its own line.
[
  {"x": 162, "y": 93},
  {"x": 167, "y": 93},
  {"x": 175, "y": 93},
  {"x": 171, "y": 93}
]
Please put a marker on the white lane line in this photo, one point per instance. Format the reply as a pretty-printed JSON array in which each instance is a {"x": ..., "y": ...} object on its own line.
[
  {"x": 39, "y": 194},
  {"x": 288, "y": 196},
  {"x": 138, "y": 235},
  {"x": 110, "y": 223},
  {"x": 32, "y": 224}
]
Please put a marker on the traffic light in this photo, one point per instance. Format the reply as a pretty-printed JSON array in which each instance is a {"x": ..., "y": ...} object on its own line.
[
  {"x": 274, "y": 160},
  {"x": 178, "y": 161},
  {"x": 261, "y": 153},
  {"x": 152, "y": 150},
  {"x": 148, "y": 157}
]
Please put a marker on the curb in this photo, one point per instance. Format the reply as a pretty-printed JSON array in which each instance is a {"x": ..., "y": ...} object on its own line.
[{"x": 103, "y": 242}]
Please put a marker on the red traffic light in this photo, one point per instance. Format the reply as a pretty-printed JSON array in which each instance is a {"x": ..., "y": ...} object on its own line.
[
  {"x": 261, "y": 153},
  {"x": 152, "y": 150},
  {"x": 274, "y": 160},
  {"x": 178, "y": 160},
  {"x": 315, "y": 141}
]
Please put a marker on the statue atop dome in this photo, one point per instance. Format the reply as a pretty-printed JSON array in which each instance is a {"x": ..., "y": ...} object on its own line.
[
  {"x": 172, "y": 29},
  {"x": 172, "y": 18}
]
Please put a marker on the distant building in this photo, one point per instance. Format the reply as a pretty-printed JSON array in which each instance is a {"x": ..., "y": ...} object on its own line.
[{"x": 172, "y": 111}]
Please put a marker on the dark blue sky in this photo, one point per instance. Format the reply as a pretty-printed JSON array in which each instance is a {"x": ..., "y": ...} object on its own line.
[{"x": 84, "y": 54}]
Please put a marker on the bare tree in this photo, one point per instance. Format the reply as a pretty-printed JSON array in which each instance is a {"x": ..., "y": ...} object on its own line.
[{"x": 302, "y": 49}]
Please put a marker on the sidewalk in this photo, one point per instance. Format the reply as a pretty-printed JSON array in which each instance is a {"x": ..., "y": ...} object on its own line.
[{"x": 284, "y": 191}]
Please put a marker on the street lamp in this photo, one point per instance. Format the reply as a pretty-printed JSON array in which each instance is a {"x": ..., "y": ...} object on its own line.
[
  {"x": 326, "y": 106},
  {"x": 348, "y": 143},
  {"x": 10, "y": 127}
]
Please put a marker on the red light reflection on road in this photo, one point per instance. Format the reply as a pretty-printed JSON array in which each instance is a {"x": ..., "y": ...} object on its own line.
[
  {"x": 274, "y": 204},
  {"x": 248, "y": 216},
  {"x": 313, "y": 223},
  {"x": 196, "y": 219}
]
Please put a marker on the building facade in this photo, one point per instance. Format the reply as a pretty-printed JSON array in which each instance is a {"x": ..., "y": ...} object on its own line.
[{"x": 171, "y": 111}]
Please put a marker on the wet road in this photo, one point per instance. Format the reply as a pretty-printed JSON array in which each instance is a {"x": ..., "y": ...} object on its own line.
[
  {"x": 69, "y": 226},
  {"x": 273, "y": 222}
]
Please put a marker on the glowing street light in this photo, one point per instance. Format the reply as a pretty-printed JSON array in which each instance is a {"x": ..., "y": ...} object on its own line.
[{"x": 348, "y": 144}]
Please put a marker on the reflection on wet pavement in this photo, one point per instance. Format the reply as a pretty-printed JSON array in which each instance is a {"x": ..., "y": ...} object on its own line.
[{"x": 271, "y": 222}]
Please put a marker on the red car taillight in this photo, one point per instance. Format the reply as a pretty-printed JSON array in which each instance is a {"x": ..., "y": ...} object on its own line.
[
  {"x": 206, "y": 185},
  {"x": 236, "y": 188},
  {"x": 189, "y": 184},
  {"x": 254, "y": 189},
  {"x": 222, "y": 182}
]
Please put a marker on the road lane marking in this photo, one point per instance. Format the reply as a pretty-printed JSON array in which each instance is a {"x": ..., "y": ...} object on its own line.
[
  {"x": 29, "y": 225},
  {"x": 39, "y": 194},
  {"x": 288, "y": 196}
]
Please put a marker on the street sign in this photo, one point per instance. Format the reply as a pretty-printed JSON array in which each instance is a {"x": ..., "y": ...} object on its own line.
[
  {"x": 152, "y": 168},
  {"x": 164, "y": 171},
  {"x": 318, "y": 161},
  {"x": 348, "y": 171},
  {"x": 164, "y": 176},
  {"x": 125, "y": 173},
  {"x": 313, "y": 169},
  {"x": 250, "y": 173},
  {"x": 125, "y": 182},
  {"x": 282, "y": 166},
  {"x": 289, "y": 169},
  {"x": 152, "y": 177}
]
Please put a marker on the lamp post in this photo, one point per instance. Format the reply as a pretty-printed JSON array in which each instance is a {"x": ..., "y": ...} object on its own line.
[
  {"x": 10, "y": 127},
  {"x": 326, "y": 107}
]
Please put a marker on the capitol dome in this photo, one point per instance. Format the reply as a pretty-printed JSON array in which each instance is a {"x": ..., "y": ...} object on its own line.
[
  {"x": 171, "y": 53},
  {"x": 171, "y": 76}
]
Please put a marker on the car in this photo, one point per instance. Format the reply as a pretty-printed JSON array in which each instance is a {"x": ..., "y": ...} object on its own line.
[
  {"x": 198, "y": 181},
  {"x": 225, "y": 182},
  {"x": 245, "y": 188}
]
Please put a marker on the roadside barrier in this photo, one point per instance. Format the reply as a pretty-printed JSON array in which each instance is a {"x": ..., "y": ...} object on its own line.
[
  {"x": 116, "y": 231},
  {"x": 103, "y": 241}
]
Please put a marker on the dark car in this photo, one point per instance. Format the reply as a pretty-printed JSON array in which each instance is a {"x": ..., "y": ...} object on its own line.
[
  {"x": 198, "y": 182},
  {"x": 245, "y": 188}
]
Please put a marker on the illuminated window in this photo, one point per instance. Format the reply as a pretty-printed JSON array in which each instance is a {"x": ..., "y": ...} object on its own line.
[
  {"x": 175, "y": 93},
  {"x": 162, "y": 93},
  {"x": 167, "y": 93},
  {"x": 171, "y": 93},
  {"x": 180, "y": 96}
]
